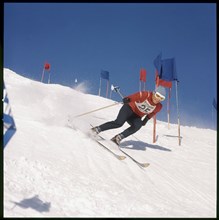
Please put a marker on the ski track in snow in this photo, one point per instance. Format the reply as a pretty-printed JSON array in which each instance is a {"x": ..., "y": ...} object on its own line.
[{"x": 53, "y": 170}]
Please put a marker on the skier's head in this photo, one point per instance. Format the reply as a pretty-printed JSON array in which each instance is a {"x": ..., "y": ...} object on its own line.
[{"x": 160, "y": 93}]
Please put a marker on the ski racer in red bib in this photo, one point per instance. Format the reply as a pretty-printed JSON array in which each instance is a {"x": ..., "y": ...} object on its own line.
[{"x": 138, "y": 108}]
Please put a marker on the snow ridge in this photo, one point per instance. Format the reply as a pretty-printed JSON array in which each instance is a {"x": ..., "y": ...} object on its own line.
[{"x": 53, "y": 169}]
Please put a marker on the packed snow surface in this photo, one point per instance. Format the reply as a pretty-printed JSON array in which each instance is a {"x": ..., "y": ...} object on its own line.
[{"x": 52, "y": 168}]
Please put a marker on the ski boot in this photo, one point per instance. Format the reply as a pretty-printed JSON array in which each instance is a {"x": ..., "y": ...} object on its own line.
[{"x": 117, "y": 139}]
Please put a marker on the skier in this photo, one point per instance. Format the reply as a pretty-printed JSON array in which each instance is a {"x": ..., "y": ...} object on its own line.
[{"x": 136, "y": 106}]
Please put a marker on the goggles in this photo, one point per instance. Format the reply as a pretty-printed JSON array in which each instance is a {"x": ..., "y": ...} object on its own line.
[{"x": 159, "y": 96}]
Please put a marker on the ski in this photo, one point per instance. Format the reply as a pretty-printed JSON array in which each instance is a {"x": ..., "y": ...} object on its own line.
[
  {"x": 141, "y": 165},
  {"x": 119, "y": 157}
]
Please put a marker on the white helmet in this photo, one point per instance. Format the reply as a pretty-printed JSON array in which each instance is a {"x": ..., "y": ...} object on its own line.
[{"x": 160, "y": 90}]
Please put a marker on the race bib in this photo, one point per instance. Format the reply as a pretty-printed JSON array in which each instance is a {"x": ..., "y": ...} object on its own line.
[{"x": 145, "y": 107}]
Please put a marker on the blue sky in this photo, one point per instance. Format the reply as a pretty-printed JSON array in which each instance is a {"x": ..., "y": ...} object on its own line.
[{"x": 81, "y": 39}]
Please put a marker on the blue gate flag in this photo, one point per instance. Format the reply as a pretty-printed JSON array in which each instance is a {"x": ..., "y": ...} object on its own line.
[
  {"x": 9, "y": 124},
  {"x": 104, "y": 74},
  {"x": 214, "y": 104},
  {"x": 166, "y": 68},
  {"x": 157, "y": 63}
]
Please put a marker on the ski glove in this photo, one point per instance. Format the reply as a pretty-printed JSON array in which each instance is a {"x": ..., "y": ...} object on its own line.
[
  {"x": 126, "y": 100},
  {"x": 145, "y": 121}
]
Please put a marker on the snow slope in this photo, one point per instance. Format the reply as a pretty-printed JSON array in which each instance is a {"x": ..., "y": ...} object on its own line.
[{"x": 52, "y": 170}]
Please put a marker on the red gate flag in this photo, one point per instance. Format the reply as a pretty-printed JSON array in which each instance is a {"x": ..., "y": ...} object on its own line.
[
  {"x": 161, "y": 82},
  {"x": 47, "y": 66},
  {"x": 143, "y": 75}
]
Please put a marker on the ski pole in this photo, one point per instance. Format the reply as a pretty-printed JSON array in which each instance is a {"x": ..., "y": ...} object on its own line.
[
  {"x": 116, "y": 89},
  {"x": 95, "y": 110}
]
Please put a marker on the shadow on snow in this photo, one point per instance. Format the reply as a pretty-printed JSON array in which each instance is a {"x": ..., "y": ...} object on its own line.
[
  {"x": 139, "y": 145},
  {"x": 34, "y": 203}
]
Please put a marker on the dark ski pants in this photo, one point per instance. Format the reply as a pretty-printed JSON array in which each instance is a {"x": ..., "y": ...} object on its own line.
[{"x": 125, "y": 115}]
